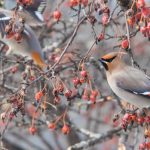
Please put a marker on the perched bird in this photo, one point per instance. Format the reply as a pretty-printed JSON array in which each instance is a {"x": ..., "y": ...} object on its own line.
[
  {"x": 20, "y": 39},
  {"x": 127, "y": 82},
  {"x": 33, "y": 14}
]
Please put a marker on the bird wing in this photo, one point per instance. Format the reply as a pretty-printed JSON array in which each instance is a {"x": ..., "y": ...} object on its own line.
[
  {"x": 134, "y": 81},
  {"x": 37, "y": 9},
  {"x": 4, "y": 20}
]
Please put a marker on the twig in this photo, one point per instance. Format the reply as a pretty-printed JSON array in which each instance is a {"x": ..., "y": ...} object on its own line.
[{"x": 97, "y": 138}]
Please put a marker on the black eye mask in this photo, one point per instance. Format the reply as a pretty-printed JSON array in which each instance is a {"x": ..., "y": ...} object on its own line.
[{"x": 109, "y": 60}]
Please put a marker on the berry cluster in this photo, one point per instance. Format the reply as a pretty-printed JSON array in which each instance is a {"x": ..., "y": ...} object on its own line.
[
  {"x": 144, "y": 146},
  {"x": 140, "y": 17},
  {"x": 61, "y": 89},
  {"x": 15, "y": 29},
  {"x": 85, "y": 79},
  {"x": 103, "y": 10},
  {"x": 137, "y": 119},
  {"x": 65, "y": 129},
  {"x": 16, "y": 106}
]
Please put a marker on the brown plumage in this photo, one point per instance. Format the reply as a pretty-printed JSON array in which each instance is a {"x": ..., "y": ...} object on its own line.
[{"x": 127, "y": 82}]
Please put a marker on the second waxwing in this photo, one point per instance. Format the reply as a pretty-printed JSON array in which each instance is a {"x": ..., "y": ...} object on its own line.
[{"x": 127, "y": 82}]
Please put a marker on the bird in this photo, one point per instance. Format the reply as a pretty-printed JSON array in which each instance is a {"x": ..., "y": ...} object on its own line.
[
  {"x": 32, "y": 13},
  {"x": 27, "y": 43},
  {"x": 127, "y": 82}
]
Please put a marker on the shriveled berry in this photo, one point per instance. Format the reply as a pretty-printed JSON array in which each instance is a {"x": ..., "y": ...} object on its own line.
[
  {"x": 60, "y": 87},
  {"x": 18, "y": 37},
  {"x": 147, "y": 133},
  {"x": 55, "y": 92},
  {"x": 68, "y": 93},
  {"x": 14, "y": 69},
  {"x": 3, "y": 116}
]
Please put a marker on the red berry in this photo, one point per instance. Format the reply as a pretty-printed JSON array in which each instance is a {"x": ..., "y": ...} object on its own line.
[
  {"x": 133, "y": 117},
  {"x": 32, "y": 130},
  {"x": 94, "y": 93},
  {"x": 25, "y": 2},
  {"x": 65, "y": 129},
  {"x": 73, "y": 3},
  {"x": 145, "y": 11},
  {"x": 76, "y": 81},
  {"x": 9, "y": 35},
  {"x": 14, "y": 69},
  {"x": 82, "y": 80},
  {"x": 125, "y": 44},
  {"x": 68, "y": 93},
  {"x": 57, "y": 15},
  {"x": 92, "y": 98},
  {"x": 140, "y": 120},
  {"x": 147, "y": 119},
  {"x": 143, "y": 30},
  {"x": 127, "y": 117},
  {"x": 83, "y": 73},
  {"x": 38, "y": 95},
  {"x": 100, "y": 37},
  {"x": 52, "y": 125},
  {"x": 32, "y": 78},
  {"x": 55, "y": 92},
  {"x": 105, "y": 18},
  {"x": 140, "y": 3}
]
